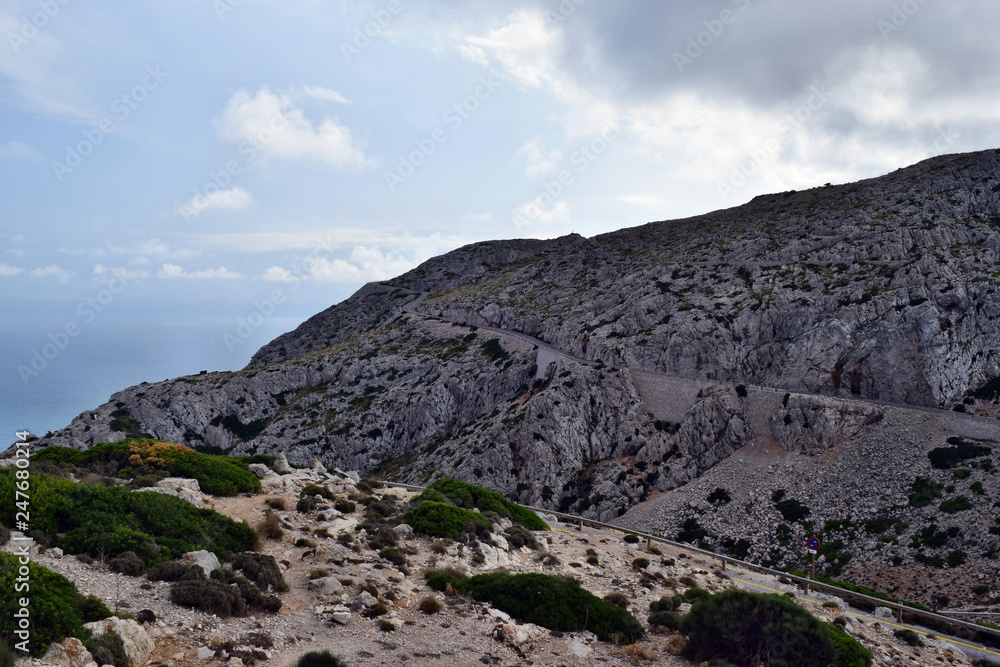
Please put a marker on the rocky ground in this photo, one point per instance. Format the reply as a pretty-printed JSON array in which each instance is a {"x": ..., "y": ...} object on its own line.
[{"x": 329, "y": 612}]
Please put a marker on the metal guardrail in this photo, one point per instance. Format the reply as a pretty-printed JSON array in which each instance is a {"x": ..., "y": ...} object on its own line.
[{"x": 841, "y": 592}]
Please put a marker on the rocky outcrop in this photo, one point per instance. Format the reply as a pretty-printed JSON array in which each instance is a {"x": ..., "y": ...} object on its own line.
[
  {"x": 883, "y": 289},
  {"x": 69, "y": 653},
  {"x": 204, "y": 559},
  {"x": 138, "y": 645}
]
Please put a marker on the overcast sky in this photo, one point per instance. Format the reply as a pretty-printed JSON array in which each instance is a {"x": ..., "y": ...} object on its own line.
[{"x": 224, "y": 149}]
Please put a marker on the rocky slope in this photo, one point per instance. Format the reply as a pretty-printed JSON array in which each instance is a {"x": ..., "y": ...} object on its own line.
[{"x": 885, "y": 289}]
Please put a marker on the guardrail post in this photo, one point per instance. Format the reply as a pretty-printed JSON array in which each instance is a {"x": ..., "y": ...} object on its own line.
[
  {"x": 899, "y": 614},
  {"x": 579, "y": 526},
  {"x": 649, "y": 544}
]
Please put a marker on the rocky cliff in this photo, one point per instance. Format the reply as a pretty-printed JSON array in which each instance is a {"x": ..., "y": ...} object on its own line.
[{"x": 593, "y": 373}]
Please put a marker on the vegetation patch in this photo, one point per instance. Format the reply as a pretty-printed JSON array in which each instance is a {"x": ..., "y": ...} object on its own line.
[
  {"x": 469, "y": 495},
  {"x": 444, "y": 520},
  {"x": 792, "y": 510},
  {"x": 57, "y": 608},
  {"x": 742, "y": 627},
  {"x": 923, "y": 492},
  {"x": 551, "y": 602},
  {"x": 949, "y": 457},
  {"x": 110, "y": 520}
]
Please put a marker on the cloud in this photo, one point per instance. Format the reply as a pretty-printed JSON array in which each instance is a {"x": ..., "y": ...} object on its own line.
[
  {"x": 279, "y": 274},
  {"x": 6, "y": 270},
  {"x": 365, "y": 264},
  {"x": 17, "y": 150},
  {"x": 641, "y": 200},
  {"x": 233, "y": 199},
  {"x": 271, "y": 123},
  {"x": 105, "y": 274},
  {"x": 172, "y": 271},
  {"x": 538, "y": 163},
  {"x": 540, "y": 210},
  {"x": 321, "y": 93},
  {"x": 54, "y": 271}
]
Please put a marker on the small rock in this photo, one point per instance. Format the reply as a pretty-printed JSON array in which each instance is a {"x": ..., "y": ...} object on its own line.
[
  {"x": 341, "y": 617},
  {"x": 205, "y": 653},
  {"x": 204, "y": 559},
  {"x": 405, "y": 531},
  {"x": 56, "y": 552},
  {"x": 367, "y": 599},
  {"x": 261, "y": 470}
]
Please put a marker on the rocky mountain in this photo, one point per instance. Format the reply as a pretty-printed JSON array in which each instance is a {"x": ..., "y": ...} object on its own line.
[{"x": 596, "y": 374}]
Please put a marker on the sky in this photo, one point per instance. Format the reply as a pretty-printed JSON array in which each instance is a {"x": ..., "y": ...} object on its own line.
[{"x": 227, "y": 160}]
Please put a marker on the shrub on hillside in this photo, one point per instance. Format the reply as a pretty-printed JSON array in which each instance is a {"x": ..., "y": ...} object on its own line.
[
  {"x": 316, "y": 490},
  {"x": 468, "y": 496},
  {"x": 440, "y": 579},
  {"x": 108, "y": 649},
  {"x": 949, "y": 457},
  {"x": 261, "y": 569},
  {"x": 552, "y": 602},
  {"x": 253, "y": 596},
  {"x": 110, "y": 520},
  {"x": 666, "y": 603},
  {"x": 210, "y": 597},
  {"x": 518, "y": 537},
  {"x": 174, "y": 571},
  {"x": 128, "y": 563},
  {"x": 57, "y": 609},
  {"x": 740, "y": 627},
  {"x": 344, "y": 506},
  {"x": 666, "y": 619},
  {"x": 306, "y": 504},
  {"x": 443, "y": 520},
  {"x": 270, "y": 526},
  {"x": 320, "y": 659}
]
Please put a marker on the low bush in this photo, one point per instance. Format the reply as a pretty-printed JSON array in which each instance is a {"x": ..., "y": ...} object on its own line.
[
  {"x": 518, "y": 536},
  {"x": 276, "y": 503},
  {"x": 305, "y": 542},
  {"x": 109, "y": 520},
  {"x": 739, "y": 626},
  {"x": 666, "y": 603},
  {"x": 469, "y": 496},
  {"x": 640, "y": 563},
  {"x": 383, "y": 537},
  {"x": 949, "y": 457},
  {"x": 306, "y": 504},
  {"x": 128, "y": 563},
  {"x": 174, "y": 571},
  {"x": 108, "y": 649},
  {"x": 210, "y": 597},
  {"x": 444, "y": 520},
  {"x": 4, "y": 535},
  {"x": 953, "y": 505},
  {"x": 693, "y": 594},
  {"x": 850, "y": 653},
  {"x": 57, "y": 609},
  {"x": 320, "y": 659},
  {"x": 270, "y": 526},
  {"x": 792, "y": 510},
  {"x": 440, "y": 578},
  {"x": 908, "y": 636},
  {"x": 316, "y": 490},
  {"x": 619, "y": 600},
  {"x": 665, "y": 619},
  {"x": 430, "y": 604},
  {"x": 261, "y": 569},
  {"x": 631, "y": 538},
  {"x": 344, "y": 506},
  {"x": 552, "y": 602},
  {"x": 394, "y": 556},
  {"x": 248, "y": 590}
]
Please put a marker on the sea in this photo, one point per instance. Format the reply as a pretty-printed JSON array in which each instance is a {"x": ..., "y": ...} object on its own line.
[{"x": 47, "y": 377}]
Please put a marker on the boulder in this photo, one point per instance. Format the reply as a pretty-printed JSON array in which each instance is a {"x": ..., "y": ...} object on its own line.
[
  {"x": 261, "y": 470},
  {"x": 405, "y": 531},
  {"x": 353, "y": 476},
  {"x": 325, "y": 586},
  {"x": 281, "y": 465},
  {"x": 367, "y": 599},
  {"x": 519, "y": 635},
  {"x": 206, "y": 560},
  {"x": 69, "y": 653},
  {"x": 314, "y": 464},
  {"x": 205, "y": 653},
  {"x": 138, "y": 645},
  {"x": 185, "y": 489},
  {"x": 341, "y": 616}
]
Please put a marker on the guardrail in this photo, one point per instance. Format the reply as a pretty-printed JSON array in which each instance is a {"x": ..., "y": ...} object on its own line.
[{"x": 815, "y": 585}]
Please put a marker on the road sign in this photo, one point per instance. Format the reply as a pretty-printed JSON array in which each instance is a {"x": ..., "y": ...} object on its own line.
[{"x": 812, "y": 544}]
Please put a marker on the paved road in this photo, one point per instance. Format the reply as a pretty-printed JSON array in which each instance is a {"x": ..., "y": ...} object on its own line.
[{"x": 412, "y": 309}]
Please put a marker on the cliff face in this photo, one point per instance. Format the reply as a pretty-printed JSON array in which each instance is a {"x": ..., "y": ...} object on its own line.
[{"x": 884, "y": 289}]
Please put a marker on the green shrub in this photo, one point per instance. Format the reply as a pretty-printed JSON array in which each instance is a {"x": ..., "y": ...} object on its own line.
[
  {"x": 469, "y": 496},
  {"x": 443, "y": 520},
  {"x": 316, "y": 490},
  {"x": 908, "y": 636},
  {"x": 344, "y": 506},
  {"x": 438, "y": 579},
  {"x": 261, "y": 569},
  {"x": 640, "y": 563},
  {"x": 128, "y": 563},
  {"x": 429, "y": 604},
  {"x": 394, "y": 556},
  {"x": 631, "y": 538},
  {"x": 923, "y": 492},
  {"x": 665, "y": 619},
  {"x": 952, "y": 505},
  {"x": 691, "y": 531},
  {"x": 720, "y": 496},
  {"x": 948, "y": 457},
  {"x": 666, "y": 603},
  {"x": 693, "y": 594},
  {"x": 617, "y": 599},
  {"x": 57, "y": 609},
  {"x": 554, "y": 603},
  {"x": 108, "y": 649},
  {"x": 174, "y": 571},
  {"x": 111, "y": 520},
  {"x": 320, "y": 659},
  {"x": 741, "y": 627},
  {"x": 210, "y": 597},
  {"x": 850, "y": 653},
  {"x": 792, "y": 510},
  {"x": 249, "y": 591},
  {"x": 270, "y": 526},
  {"x": 383, "y": 537},
  {"x": 518, "y": 536}
]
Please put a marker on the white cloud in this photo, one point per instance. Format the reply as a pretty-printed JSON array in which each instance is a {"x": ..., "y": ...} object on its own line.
[
  {"x": 171, "y": 271},
  {"x": 640, "y": 199},
  {"x": 6, "y": 270},
  {"x": 364, "y": 264},
  {"x": 279, "y": 274},
  {"x": 104, "y": 273},
  {"x": 54, "y": 271},
  {"x": 321, "y": 93},
  {"x": 17, "y": 150},
  {"x": 271, "y": 123},
  {"x": 540, "y": 210},
  {"x": 233, "y": 199},
  {"x": 538, "y": 163},
  {"x": 473, "y": 54}
]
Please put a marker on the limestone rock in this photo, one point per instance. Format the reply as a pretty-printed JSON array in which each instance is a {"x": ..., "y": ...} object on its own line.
[
  {"x": 68, "y": 653},
  {"x": 405, "y": 531},
  {"x": 325, "y": 586},
  {"x": 281, "y": 465},
  {"x": 261, "y": 470},
  {"x": 204, "y": 559},
  {"x": 185, "y": 489},
  {"x": 138, "y": 645}
]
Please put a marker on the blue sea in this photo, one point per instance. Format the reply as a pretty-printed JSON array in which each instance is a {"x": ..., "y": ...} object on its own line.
[{"x": 43, "y": 392}]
